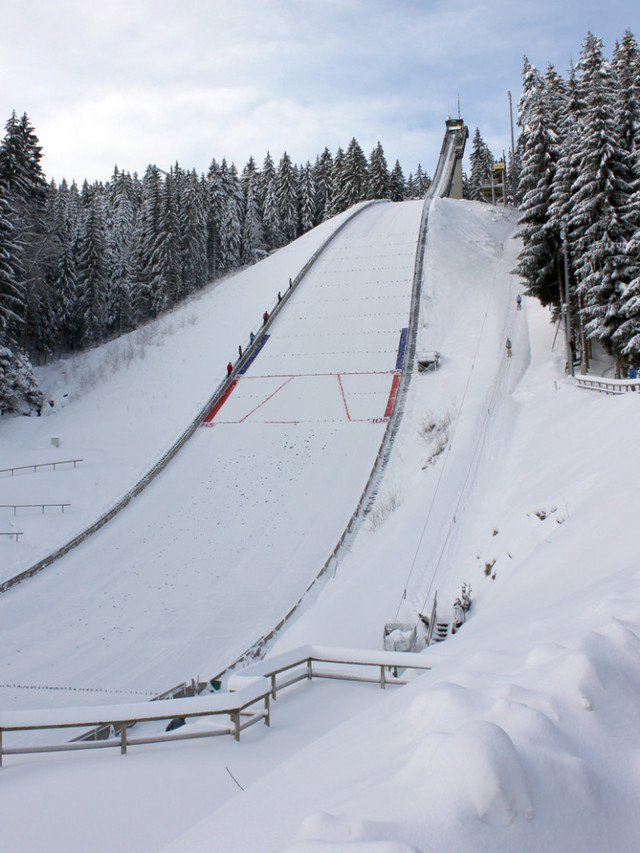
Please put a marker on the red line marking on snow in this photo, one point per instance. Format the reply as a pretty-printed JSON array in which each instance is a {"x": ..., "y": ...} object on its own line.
[
  {"x": 392, "y": 395},
  {"x": 344, "y": 399},
  {"x": 266, "y": 400},
  {"x": 214, "y": 411}
]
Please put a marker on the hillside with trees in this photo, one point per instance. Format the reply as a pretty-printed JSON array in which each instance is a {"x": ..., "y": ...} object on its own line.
[
  {"x": 81, "y": 265},
  {"x": 579, "y": 190}
]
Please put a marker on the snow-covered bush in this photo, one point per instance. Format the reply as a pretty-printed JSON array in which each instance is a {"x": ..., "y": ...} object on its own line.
[{"x": 19, "y": 392}]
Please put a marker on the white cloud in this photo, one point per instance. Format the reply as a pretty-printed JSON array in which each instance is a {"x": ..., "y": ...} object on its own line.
[{"x": 135, "y": 81}]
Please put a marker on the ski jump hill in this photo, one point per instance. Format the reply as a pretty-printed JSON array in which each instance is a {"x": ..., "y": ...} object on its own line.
[{"x": 236, "y": 514}]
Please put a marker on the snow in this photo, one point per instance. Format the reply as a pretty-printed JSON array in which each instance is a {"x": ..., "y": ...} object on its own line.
[{"x": 525, "y": 734}]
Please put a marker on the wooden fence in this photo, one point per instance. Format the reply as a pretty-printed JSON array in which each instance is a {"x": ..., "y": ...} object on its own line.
[
  {"x": 248, "y": 690},
  {"x": 607, "y": 386}
]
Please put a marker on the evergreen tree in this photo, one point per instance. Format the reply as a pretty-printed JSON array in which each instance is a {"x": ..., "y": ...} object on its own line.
[
  {"x": 12, "y": 297},
  {"x": 422, "y": 181},
  {"x": 601, "y": 196},
  {"x": 397, "y": 186},
  {"x": 164, "y": 271},
  {"x": 378, "y": 179},
  {"x": 192, "y": 228},
  {"x": 481, "y": 162},
  {"x": 253, "y": 240},
  {"x": 538, "y": 260},
  {"x": 287, "y": 198},
  {"x": 626, "y": 84},
  {"x": 270, "y": 210},
  {"x": 145, "y": 238},
  {"x": 25, "y": 190},
  {"x": 307, "y": 199},
  {"x": 355, "y": 176},
  {"x": 322, "y": 183},
  {"x": 92, "y": 275},
  {"x": 121, "y": 199},
  {"x": 19, "y": 392},
  {"x": 231, "y": 220},
  {"x": 337, "y": 182}
]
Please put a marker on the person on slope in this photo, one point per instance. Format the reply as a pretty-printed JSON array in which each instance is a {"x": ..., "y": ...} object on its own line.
[
  {"x": 229, "y": 369},
  {"x": 519, "y": 302},
  {"x": 265, "y": 317},
  {"x": 508, "y": 347}
]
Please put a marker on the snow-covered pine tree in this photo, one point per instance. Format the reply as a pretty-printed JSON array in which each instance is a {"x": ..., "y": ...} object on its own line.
[
  {"x": 481, "y": 163},
  {"x": 378, "y": 178},
  {"x": 355, "y": 176},
  {"x": 25, "y": 189},
  {"x": 270, "y": 210},
  {"x": 287, "y": 197},
  {"x": 12, "y": 297},
  {"x": 253, "y": 241},
  {"x": 397, "y": 184},
  {"x": 231, "y": 219},
  {"x": 307, "y": 199},
  {"x": 164, "y": 271},
  {"x": 626, "y": 86},
  {"x": 63, "y": 226},
  {"x": 337, "y": 182},
  {"x": 322, "y": 181},
  {"x": 192, "y": 230},
  {"x": 121, "y": 202},
  {"x": 92, "y": 275},
  {"x": 601, "y": 197},
  {"x": 540, "y": 151},
  {"x": 145, "y": 237},
  {"x": 422, "y": 181},
  {"x": 19, "y": 392}
]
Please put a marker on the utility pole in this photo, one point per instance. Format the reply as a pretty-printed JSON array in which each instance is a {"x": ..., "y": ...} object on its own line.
[
  {"x": 513, "y": 148},
  {"x": 566, "y": 307}
]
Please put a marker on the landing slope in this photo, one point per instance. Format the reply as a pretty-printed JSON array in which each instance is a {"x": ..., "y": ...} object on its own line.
[{"x": 220, "y": 546}]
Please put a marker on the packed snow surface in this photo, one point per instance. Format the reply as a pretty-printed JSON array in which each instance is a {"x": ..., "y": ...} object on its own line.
[
  {"x": 223, "y": 543},
  {"x": 524, "y": 735}
]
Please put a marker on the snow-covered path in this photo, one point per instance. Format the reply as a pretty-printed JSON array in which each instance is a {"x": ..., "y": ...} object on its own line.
[{"x": 221, "y": 545}]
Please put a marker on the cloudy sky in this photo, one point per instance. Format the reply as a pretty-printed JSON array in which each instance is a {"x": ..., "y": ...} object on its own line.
[{"x": 130, "y": 82}]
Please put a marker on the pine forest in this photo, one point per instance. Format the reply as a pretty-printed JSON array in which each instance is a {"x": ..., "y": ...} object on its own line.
[{"x": 79, "y": 266}]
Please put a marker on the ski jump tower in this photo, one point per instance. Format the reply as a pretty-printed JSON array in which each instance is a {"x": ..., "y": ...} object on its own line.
[
  {"x": 447, "y": 179},
  {"x": 457, "y": 127}
]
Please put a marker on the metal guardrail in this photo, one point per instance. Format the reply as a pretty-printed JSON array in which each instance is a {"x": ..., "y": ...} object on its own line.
[
  {"x": 40, "y": 465},
  {"x": 605, "y": 385},
  {"x": 16, "y": 507},
  {"x": 16, "y": 533}
]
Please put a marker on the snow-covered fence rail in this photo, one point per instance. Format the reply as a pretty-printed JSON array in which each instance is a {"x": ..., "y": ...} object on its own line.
[
  {"x": 189, "y": 431},
  {"x": 246, "y": 703},
  {"x": 35, "y": 467},
  {"x": 16, "y": 507},
  {"x": 301, "y": 664},
  {"x": 16, "y": 533},
  {"x": 239, "y": 707},
  {"x": 607, "y": 386}
]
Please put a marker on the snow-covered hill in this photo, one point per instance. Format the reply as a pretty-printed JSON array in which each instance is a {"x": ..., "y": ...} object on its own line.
[{"x": 525, "y": 734}]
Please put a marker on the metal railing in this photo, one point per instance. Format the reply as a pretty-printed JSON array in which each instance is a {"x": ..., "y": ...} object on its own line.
[
  {"x": 16, "y": 507},
  {"x": 40, "y": 465}
]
